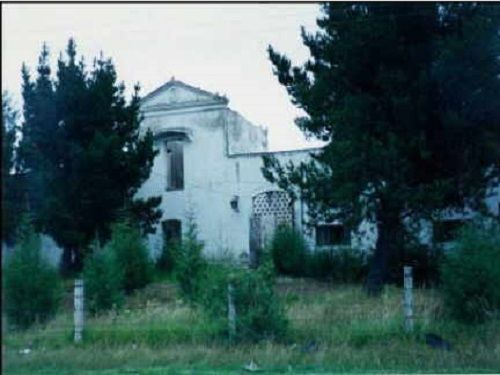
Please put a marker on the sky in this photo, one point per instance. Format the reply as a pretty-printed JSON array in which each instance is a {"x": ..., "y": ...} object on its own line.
[{"x": 217, "y": 47}]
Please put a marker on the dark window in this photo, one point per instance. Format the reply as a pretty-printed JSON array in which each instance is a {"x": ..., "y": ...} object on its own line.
[
  {"x": 446, "y": 230},
  {"x": 172, "y": 230},
  {"x": 332, "y": 234},
  {"x": 175, "y": 165}
]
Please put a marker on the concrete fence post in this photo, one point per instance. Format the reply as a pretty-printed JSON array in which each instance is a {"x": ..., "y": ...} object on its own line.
[
  {"x": 78, "y": 313},
  {"x": 408, "y": 298},
  {"x": 231, "y": 312}
]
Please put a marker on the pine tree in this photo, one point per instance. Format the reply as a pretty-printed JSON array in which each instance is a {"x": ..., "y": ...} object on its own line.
[
  {"x": 83, "y": 152},
  {"x": 12, "y": 187},
  {"x": 407, "y": 97}
]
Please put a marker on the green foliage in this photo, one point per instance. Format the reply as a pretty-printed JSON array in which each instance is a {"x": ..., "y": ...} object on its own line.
[
  {"x": 131, "y": 256},
  {"x": 189, "y": 265},
  {"x": 103, "y": 280},
  {"x": 404, "y": 134},
  {"x": 290, "y": 256},
  {"x": 343, "y": 265},
  {"x": 289, "y": 251},
  {"x": 471, "y": 274},
  {"x": 213, "y": 297},
  {"x": 85, "y": 155},
  {"x": 32, "y": 287},
  {"x": 259, "y": 311}
]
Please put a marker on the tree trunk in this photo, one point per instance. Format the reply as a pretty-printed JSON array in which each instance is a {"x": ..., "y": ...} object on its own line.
[
  {"x": 77, "y": 260},
  {"x": 65, "y": 265},
  {"x": 387, "y": 252},
  {"x": 71, "y": 261}
]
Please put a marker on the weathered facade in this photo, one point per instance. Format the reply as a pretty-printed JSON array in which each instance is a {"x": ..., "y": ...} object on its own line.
[{"x": 208, "y": 171}]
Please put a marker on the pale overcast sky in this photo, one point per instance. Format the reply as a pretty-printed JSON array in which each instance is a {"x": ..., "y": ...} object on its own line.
[{"x": 217, "y": 47}]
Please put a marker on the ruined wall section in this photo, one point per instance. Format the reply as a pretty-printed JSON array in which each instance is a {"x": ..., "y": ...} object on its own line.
[{"x": 242, "y": 136}]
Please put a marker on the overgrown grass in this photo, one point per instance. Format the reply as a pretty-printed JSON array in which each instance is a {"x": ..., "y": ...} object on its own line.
[{"x": 332, "y": 329}]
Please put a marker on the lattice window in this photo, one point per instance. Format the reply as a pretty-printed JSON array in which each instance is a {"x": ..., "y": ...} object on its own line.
[{"x": 274, "y": 203}]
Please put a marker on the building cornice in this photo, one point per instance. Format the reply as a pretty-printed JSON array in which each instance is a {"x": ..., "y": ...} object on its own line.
[
  {"x": 170, "y": 110},
  {"x": 264, "y": 153}
]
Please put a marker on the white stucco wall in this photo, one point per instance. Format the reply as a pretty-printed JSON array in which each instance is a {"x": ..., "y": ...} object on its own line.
[
  {"x": 242, "y": 135},
  {"x": 211, "y": 181},
  {"x": 219, "y": 163}
]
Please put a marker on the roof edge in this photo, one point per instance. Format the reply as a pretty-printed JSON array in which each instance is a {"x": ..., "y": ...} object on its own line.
[{"x": 173, "y": 82}]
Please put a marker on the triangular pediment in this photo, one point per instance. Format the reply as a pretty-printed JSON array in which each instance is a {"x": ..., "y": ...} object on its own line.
[{"x": 176, "y": 94}]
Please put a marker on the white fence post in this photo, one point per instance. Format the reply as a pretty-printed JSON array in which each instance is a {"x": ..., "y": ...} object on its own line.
[
  {"x": 231, "y": 311},
  {"x": 78, "y": 314},
  {"x": 408, "y": 298}
]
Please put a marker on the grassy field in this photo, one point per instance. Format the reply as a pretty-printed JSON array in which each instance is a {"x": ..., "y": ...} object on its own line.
[{"x": 332, "y": 329}]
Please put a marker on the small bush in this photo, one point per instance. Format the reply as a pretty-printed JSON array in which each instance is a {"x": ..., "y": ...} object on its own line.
[
  {"x": 131, "y": 256},
  {"x": 32, "y": 287},
  {"x": 103, "y": 280},
  {"x": 321, "y": 264},
  {"x": 344, "y": 264},
  {"x": 259, "y": 312},
  {"x": 471, "y": 274},
  {"x": 189, "y": 264},
  {"x": 351, "y": 265},
  {"x": 213, "y": 298},
  {"x": 289, "y": 251}
]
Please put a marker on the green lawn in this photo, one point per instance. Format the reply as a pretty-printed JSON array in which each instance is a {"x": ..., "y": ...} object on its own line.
[{"x": 332, "y": 329}]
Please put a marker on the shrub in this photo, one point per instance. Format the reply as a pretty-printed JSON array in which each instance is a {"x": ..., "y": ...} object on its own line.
[
  {"x": 131, "y": 256},
  {"x": 259, "y": 312},
  {"x": 289, "y": 251},
  {"x": 32, "y": 286},
  {"x": 213, "y": 297},
  {"x": 471, "y": 274},
  {"x": 103, "y": 280},
  {"x": 350, "y": 265},
  {"x": 189, "y": 265},
  {"x": 343, "y": 264},
  {"x": 320, "y": 264}
]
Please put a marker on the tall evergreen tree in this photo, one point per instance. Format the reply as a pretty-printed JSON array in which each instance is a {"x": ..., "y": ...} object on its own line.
[
  {"x": 83, "y": 152},
  {"x": 407, "y": 97},
  {"x": 12, "y": 188}
]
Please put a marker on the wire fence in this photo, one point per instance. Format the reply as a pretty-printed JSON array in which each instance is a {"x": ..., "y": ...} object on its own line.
[{"x": 173, "y": 320}]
